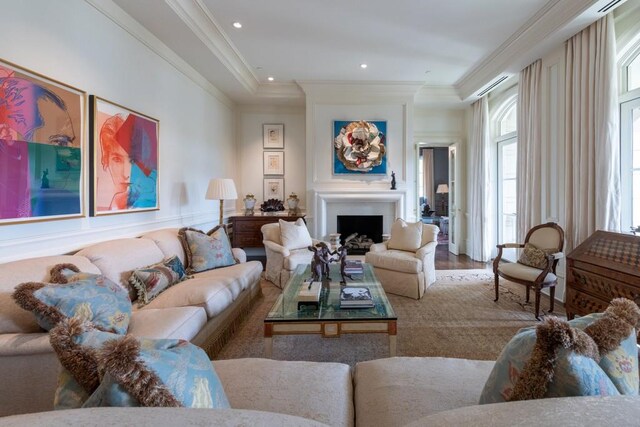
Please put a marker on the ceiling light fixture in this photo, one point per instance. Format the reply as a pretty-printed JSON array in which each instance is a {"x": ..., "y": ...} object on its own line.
[
  {"x": 363, "y": 66},
  {"x": 237, "y": 25},
  {"x": 270, "y": 78}
]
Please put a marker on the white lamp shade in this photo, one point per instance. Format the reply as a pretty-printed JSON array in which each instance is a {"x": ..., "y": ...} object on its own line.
[
  {"x": 442, "y": 188},
  {"x": 221, "y": 189}
]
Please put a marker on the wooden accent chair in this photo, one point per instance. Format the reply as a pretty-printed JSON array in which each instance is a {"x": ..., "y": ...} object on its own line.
[{"x": 549, "y": 238}]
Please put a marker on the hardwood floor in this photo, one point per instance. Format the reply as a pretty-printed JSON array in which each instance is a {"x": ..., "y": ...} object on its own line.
[{"x": 445, "y": 260}]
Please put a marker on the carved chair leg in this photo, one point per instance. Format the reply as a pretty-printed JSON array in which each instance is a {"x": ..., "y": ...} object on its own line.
[
  {"x": 538, "y": 292},
  {"x": 496, "y": 286},
  {"x": 552, "y": 295},
  {"x": 527, "y": 297}
]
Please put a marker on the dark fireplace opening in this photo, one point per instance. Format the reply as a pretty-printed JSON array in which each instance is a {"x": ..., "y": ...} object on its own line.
[{"x": 359, "y": 232}]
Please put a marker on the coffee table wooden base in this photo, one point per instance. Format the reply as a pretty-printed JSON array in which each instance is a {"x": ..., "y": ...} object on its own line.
[{"x": 330, "y": 329}]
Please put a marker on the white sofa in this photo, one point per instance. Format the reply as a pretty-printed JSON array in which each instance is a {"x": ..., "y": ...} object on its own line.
[{"x": 204, "y": 310}]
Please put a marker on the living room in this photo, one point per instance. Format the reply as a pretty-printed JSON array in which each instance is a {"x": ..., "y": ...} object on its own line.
[{"x": 210, "y": 88}]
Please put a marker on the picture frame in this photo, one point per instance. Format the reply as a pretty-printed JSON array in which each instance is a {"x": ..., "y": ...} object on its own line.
[
  {"x": 272, "y": 136},
  {"x": 273, "y": 188},
  {"x": 273, "y": 162},
  {"x": 42, "y": 147},
  {"x": 125, "y": 155},
  {"x": 347, "y": 155}
]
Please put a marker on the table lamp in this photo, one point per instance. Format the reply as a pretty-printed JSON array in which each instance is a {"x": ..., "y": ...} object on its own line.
[
  {"x": 221, "y": 189},
  {"x": 443, "y": 189}
]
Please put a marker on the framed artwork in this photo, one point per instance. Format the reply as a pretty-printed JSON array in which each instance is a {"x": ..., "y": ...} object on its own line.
[
  {"x": 125, "y": 153},
  {"x": 359, "y": 147},
  {"x": 42, "y": 128},
  {"x": 273, "y": 136},
  {"x": 273, "y": 162},
  {"x": 274, "y": 188}
]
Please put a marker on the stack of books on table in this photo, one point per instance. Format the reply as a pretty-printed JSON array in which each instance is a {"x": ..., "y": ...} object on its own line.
[
  {"x": 355, "y": 297},
  {"x": 353, "y": 267}
]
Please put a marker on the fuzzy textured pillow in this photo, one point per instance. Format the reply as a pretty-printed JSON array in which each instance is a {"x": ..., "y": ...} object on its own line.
[
  {"x": 151, "y": 281},
  {"x": 405, "y": 236},
  {"x": 165, "y": 372},
  {"x": 594, "y": 355},
  {"x": 206, "y": 251},
  {"x": 93, "y": 298},
  {"x": 534, "y": 257},
  {"x": 294, "y": 235}
]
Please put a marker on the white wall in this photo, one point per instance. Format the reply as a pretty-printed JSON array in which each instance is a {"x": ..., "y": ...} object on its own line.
[
  {"x": 250, "y": 149},
  {"x": 73, "y": 42}
]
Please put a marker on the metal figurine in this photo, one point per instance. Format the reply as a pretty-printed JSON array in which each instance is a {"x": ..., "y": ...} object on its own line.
[
  {"x": 393, "y": 180},
  {"x": 342, "y": 257},
  {"x": 320, "y": 262}
]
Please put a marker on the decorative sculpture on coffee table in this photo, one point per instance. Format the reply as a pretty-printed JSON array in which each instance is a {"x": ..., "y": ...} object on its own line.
[
  {"x": 320, "y": 262},
  {"x": 342, "y": 257}
]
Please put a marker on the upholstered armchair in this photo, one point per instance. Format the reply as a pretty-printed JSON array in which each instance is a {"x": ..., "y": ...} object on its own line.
[
  {"x": 405, "y": 264},
  {"x": 536, "y": 267},
  {"x": 282, "y": 261}
]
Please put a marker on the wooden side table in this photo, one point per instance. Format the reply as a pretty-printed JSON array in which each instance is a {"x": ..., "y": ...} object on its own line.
[{"x": 246, "y": 228}]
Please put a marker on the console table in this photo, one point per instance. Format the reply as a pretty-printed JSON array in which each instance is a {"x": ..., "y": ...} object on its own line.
[{"x": 246, "y": 228}]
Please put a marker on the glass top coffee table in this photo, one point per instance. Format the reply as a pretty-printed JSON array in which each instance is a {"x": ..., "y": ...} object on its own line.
[{"x": 329, "y": 319}]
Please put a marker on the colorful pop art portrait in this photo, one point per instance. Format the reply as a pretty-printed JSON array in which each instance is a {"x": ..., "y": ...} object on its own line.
[
  {"x": 125, "y": 159},
  {"x": 359, "y": 147},
  {"x": 41, "y": 147}
]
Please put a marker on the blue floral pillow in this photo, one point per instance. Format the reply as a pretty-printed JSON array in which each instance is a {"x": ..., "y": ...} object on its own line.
[
  {"x": 581, "y": 368},
  {"x": 151, "y": 281},
  {"x": 93, "y": 298},
  {"x": 165, "y": 372},
  {"x": 76, "y": 342},
  {"x": 206, "y": 251}
]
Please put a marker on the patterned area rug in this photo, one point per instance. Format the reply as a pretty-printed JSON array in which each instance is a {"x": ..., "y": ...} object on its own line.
[{"x": 456, "y": 318}]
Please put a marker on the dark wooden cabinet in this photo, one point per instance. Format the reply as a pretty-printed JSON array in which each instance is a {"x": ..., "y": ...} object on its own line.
[
  {"x": 246, "y": 228},
  {"x": 603, "y": 267}
]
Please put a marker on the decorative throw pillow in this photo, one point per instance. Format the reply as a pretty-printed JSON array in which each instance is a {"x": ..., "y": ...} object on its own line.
[
  {"x": 405, "y": 236},
  {"x": 149, "y": 282},
  {"x": 94, "y": 298},
  {"x": 594, "y": 355},
  {"x": 76, "y": 342},
  {"x": 166, "y": 372},
  {"x": 534, "y": 257},
  {"x": 294, "y": 235},
  {"x": 206, "y": 252}
]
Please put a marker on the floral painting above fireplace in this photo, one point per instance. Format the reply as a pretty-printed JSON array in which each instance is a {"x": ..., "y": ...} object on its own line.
[{"x": 359, "y": 147}]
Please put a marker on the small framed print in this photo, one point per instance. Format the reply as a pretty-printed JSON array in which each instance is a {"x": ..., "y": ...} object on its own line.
[
  {"x": 274, "y": 188},
  {"x": 273, "y": 136},
  {"x": 273, "y": 162}
]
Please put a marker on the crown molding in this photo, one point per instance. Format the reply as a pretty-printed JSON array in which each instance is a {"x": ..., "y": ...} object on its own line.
[
  {"x": 202, "y": 23},
  {"x": 362, "y": 91},
  {"x": 280, "y": 90},
  {"x": 112, "y": 11},
  {"x": 431, "y": 95},
  {"x": 552, "y": 17}
]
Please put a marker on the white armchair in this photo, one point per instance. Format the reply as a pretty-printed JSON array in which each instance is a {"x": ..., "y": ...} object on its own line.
[
  {"x": 406, "y": 272},
  {"x": 281, "y": 262}
]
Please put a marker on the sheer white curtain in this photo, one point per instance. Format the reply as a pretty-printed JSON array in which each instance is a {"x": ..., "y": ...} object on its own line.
[
  {"x": 481, "y": 230},
  {"x": 591, "y": 132},
  {"x": 427, "y": 165},
  {"x": 529, "y": 171}
]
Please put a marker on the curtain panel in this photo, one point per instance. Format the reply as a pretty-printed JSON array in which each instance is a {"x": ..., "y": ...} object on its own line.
[
  {"x": 427, "y": 170},
  {"x": 591, "y": 132}
]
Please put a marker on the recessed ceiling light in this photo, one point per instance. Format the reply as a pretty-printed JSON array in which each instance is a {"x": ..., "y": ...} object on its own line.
[
  {"x": 363, "y": 66},
  {"x": 270, "y": 78},
  {"x": 237, "y": 25}
]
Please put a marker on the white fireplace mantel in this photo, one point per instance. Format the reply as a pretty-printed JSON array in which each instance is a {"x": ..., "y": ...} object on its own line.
[{"x": 358, "y": 198}]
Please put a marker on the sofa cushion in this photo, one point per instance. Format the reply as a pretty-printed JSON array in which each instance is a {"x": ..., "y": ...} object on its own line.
[
  {"x": 319, "y": 391},
  {"x": 405, "y": 236},
  {"x": 206, "y": 251},
  {"x": 429, "y": 234},
  {"x": 294, "y": 235},
  {"x": 396, "y": 391},
  {"x": 534, "y": 257},
  {"x": 14, "y": 319},
  {"x": 94, "y": 298},
  {"x": 405, "y": 262},
  {"x": 571, "y": 357},
  {"x": 172, "y": 322},
  {"x": 149, "y": 282},
  {"x": 168, "y": 241},
  {"x": 297, "y": 257},
  {"x": 148, "y": 372},
  {"x": 116, "y": 259}
]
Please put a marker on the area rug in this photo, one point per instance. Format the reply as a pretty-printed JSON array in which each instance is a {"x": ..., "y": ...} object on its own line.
[{"x": 456, "y": 318}]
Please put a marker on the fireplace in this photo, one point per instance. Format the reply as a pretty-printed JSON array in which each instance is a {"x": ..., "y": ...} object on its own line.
[{"x": 359, "y": 232}]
